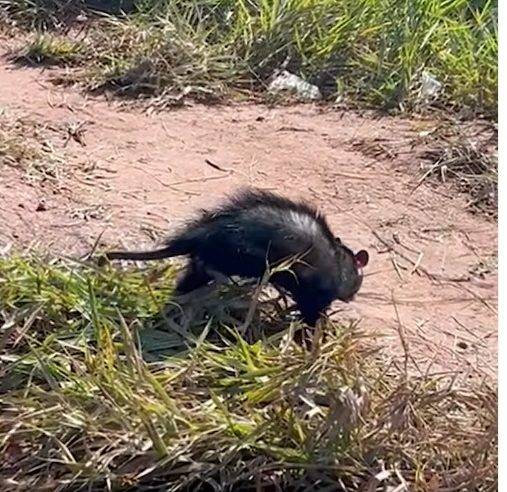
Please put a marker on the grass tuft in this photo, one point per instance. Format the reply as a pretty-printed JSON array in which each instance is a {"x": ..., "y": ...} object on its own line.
[
  {"x": 96, "y": 396},
  {"x": 469, "y": 161},
  {"x": 27, "y": 147},
  {"x": 48, "y": 50}
]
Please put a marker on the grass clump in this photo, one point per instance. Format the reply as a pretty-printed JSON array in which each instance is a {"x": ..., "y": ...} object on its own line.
[
  {"x": 25, "y": 145},
  {"x": 138, "y": 58},
  {"x": 84, "y": 406},
  {"x": 469, "y": 160},
  {"x": 51, "y": 14},
  {"x": 373, "y": 52},
  {"x": 14, "y": 146},
  {"x": 49, "y": 50}
]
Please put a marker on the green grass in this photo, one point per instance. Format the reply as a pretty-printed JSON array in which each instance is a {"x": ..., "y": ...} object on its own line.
[
  {"x": 368, "y": 52},
  {"x": 96, "y": 396},
  {"x": 49, "y": 50}
]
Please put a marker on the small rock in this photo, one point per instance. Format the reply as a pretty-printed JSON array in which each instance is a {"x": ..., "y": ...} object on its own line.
[
  {"x": 41, "y": 207},
  {"x": 286, "y": 81},
  {"x": 430, "y": 87}
]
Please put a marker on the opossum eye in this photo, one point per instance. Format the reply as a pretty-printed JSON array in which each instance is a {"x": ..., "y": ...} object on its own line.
[
  {"x": 362, "y": 257},
  {"x": 338, "y": 240}
]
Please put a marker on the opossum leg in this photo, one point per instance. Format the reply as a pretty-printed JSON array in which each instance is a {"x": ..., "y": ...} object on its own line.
[
  {"x": 311, "y": 312},
  {"x": 304, "y": 336},
  {"x": 192, "y": 278}
]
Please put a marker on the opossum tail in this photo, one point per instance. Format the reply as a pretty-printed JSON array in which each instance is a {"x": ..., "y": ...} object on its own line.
[{"x": 175, "y": 247}]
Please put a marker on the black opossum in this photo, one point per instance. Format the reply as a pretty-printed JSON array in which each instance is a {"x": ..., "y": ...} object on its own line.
[{"x": 258, "y": 229}]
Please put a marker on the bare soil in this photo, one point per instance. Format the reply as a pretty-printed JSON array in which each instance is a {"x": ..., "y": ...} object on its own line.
[{"x": 432, "y": 278}]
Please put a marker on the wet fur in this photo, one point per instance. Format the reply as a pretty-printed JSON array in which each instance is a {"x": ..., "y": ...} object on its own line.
[{"x": 255, "y": 229}]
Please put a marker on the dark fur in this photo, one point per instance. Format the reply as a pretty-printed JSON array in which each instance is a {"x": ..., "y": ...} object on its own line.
[{"x": 255, "y": 229}]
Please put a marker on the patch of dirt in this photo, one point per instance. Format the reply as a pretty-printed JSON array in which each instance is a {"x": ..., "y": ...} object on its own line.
[{"x": 135, "y": 176}]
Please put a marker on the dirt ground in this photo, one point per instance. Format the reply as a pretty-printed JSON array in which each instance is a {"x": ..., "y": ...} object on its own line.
[{"x": 135, "y": 176}]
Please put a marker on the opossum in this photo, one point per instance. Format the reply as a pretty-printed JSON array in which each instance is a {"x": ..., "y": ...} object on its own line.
[{"x": 255, "y": 230}]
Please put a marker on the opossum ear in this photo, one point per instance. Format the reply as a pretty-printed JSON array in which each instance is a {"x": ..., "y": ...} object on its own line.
[{"x": 362, "y": 257}]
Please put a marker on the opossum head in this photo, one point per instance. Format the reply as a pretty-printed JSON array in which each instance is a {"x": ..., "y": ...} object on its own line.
[{"x": 351, "y": 273}]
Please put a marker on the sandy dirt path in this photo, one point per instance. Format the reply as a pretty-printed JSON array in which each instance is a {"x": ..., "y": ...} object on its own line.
[{"x": 139, "y": 175}]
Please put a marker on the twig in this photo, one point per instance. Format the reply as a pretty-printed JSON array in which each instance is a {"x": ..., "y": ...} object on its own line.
[
  {"x": 94, "y": 247},
  {"x": 479, "y": 298},
  {"x": 396, "y": 268},
  {"x": 217, "y": 167},
  {"x": 417, "y": 264},
  {"x": 404, "y": 343}
]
